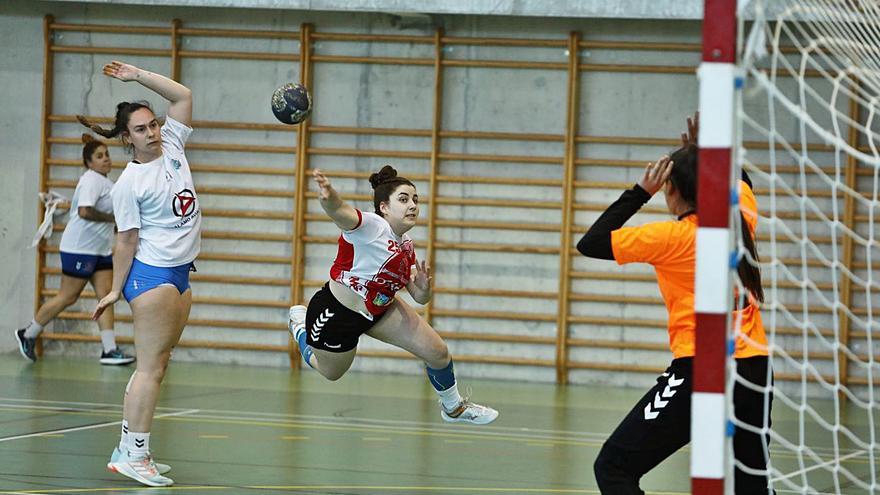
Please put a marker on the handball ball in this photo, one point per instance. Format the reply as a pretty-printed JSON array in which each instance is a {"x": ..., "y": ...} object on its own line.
[{"x": 291, "y": 103}]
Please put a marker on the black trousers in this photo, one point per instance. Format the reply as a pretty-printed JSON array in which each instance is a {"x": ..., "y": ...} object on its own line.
[{"x": 660, "y": 424}]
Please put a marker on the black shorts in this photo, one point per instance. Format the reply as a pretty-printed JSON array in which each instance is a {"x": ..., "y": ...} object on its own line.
[{"x": 331, "y": 326}]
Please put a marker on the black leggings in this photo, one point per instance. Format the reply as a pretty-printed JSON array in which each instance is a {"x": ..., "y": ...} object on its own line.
[{"x": 660, "y": 424}]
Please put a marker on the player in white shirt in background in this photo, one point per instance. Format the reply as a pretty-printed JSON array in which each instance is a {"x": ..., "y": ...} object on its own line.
[
  {"x": 374, "y": 261},
  {"x": 86, "y": 248},
  {"x": 158, "y": 219}
]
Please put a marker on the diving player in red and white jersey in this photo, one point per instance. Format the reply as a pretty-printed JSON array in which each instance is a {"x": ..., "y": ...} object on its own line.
[{"x": 374, "y": 261}]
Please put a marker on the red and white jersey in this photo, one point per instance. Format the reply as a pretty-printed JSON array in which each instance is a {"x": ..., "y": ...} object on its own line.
[{"x": 373, "y": 261}]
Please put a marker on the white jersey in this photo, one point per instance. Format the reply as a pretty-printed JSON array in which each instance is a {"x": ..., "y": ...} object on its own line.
[
  {"x": 159, "y": 198},
  {"x": 373, "y": 261},
  {"x": 83, "y": 236}
]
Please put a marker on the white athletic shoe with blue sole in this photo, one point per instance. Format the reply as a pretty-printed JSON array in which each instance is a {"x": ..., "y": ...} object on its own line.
[
  {"x": 114, "y": 457},
  {"x": 469, "y": 412}
]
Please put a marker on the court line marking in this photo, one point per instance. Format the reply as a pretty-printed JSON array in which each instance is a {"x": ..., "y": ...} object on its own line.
[
  {"x": 435, "y": 431},
  {"x": 90, "y": 427},
  {"x": 564, "y": 436},
  {"x": 78, "y": 403},
  {"x": 124, "y": 489},
  {"x": 348, "y": 420},
  {"x": 360, "y": 424},
  {"x": 466, "y": 489},
  {"x": 359, "y": 428}
]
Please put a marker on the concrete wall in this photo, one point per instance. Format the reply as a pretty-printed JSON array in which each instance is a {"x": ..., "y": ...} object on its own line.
[
  {"x": 618, "y": 104},
  {"x": 642, "y": 9},
  {"x": 21, "y": 73}
]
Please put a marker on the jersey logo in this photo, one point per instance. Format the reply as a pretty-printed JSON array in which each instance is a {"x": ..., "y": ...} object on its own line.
[
  {"x": 175, "y": 163},
  {"x": 322, "y": 320},
  {"x": 183, "y": 203},
  {"x": 381, "y": 300},
  {"x": 659, "y": 402}
]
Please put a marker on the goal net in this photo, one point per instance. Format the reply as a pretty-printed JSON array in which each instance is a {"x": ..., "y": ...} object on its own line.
[{"x": 807, "y": 135}]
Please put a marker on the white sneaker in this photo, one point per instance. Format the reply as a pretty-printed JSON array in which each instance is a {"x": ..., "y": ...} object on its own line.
[
  {"x": 114, "y": 457},
  {"x": 469, "y": 412},
  {"x": 297, "y": 321},
  {"x": 141, "y": 469}
]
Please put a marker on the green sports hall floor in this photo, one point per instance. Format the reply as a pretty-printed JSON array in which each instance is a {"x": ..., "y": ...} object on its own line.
[{"x": 249, "y": 430}]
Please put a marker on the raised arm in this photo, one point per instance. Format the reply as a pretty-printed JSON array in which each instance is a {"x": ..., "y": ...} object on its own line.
[
  {"x": 342, "y": 214},
  {"x": 596, "y": 243},
  {"x": 177, "y": 94},
  {"x": 692, "y": 135},
  {"x": 693, "y": 129}
]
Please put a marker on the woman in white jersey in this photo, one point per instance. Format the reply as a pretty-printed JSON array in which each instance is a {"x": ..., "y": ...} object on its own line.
[
  {"x": 158, "y": 221},
  {"x": 86, "y": 246},
  {"x": 374, "y": 261}
]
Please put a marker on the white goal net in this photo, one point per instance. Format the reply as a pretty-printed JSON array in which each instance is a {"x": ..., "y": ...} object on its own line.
[{"x": 807, "y": 128}]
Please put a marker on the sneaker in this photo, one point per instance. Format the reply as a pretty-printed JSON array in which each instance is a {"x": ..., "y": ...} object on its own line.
[
  {"x": 141, "y": 469},
  {"x": 26, "y": 346},
  {"x": 114, "y": 457},
  {"x": 469, "y": 412},
  {"x": 116, "y": 357},
  {"x": 297, "y": 322}
]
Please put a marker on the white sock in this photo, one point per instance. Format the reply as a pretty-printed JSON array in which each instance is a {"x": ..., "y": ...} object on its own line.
[
  {"x": 450, "y": 397},
  {"x": 123, "y": 437},
  {"x": 138, "y": 444},
  {"x": 108, "y": 340},
  {"x": 33, "y": 330}
]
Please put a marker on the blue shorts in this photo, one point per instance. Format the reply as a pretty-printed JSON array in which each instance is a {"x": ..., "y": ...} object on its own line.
[
  {"x": 143, "y": 277},
  {"x": 84, "y": 265}
]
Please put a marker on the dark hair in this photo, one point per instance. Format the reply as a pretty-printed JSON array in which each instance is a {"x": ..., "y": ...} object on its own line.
[
  {"x": 120, "y": 122},
  {"x": 684, "y": 179},
  {"x": 384, "y": 183},
  {"x": 90, "y": 144}
]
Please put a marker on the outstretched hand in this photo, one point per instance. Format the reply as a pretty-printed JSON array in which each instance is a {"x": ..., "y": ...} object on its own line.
[
  {"x": 656, "y": 174},
  {"x": 107, "y": 301},
  {"x": 690, "y": 137},
  {"x": 325, "y": 189},
  {"x": 121, "y": 71},
  {"x": 422, "y": 277}
]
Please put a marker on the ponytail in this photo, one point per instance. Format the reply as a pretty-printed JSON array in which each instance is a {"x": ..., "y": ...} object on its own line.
[
  {"x": 749, "y": 273},
  {"x": 120, "y": 122},
  {"x": 684, "y": 178}
]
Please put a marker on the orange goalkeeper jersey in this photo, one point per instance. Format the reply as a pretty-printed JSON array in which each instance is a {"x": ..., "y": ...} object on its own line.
[{"x": 670, "y": 246}]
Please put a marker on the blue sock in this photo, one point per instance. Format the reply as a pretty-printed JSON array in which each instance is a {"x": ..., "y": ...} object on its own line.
[
  {"x": 441, "y": 379},
  {"x": 304, "y": 348}
]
